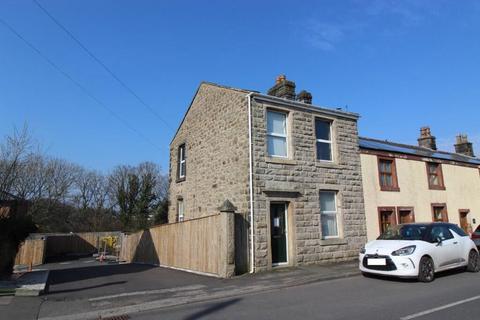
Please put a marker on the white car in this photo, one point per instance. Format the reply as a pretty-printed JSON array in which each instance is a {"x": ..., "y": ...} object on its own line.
[{"x": 418, "y": 250}]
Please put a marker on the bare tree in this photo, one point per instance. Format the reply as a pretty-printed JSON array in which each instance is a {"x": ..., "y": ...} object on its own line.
[{"x": 12, "y": 154}]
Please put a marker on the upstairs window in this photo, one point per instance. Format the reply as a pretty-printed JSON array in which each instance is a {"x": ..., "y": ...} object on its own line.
[
  {"x": 182, "y": 163},
  {"x": 387, "y": 173},
  {"x": 323, "y": 135},
  {"x": 277, "y": 134},
  {"x": 328, "y": 214},
  {"x": 435, "y": 176}
]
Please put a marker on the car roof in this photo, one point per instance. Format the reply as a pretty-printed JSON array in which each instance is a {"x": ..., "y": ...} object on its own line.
[{"x": 428, "y": 224}]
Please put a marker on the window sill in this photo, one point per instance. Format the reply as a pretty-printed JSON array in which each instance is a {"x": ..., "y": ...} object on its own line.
[
  {"x": 280, "y": 160},
  {"x": 390, "y": 189},
  {"x": 436, "y": 188},
  {"x": 180, "y": 179},
  {"x": 332, "y": 242},
  {"x": 326, "y": 164}
]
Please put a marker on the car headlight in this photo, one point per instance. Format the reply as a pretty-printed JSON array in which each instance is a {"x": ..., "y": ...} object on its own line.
[
  {"x": 362, "y": 251},
  {"x": 404, "y": 251}
]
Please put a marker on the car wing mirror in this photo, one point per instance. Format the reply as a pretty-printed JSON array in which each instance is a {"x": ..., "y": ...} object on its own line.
[{"x": 439, "y": 241}]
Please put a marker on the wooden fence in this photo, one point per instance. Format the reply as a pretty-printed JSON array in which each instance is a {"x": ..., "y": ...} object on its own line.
[
  {"x": 39, "y": 247},
  {"x": 31, "y": 252},
  {"x": 205, "y": 244}
]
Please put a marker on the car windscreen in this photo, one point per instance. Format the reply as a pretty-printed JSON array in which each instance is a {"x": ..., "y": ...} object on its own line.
[{"x": 404, "y": 232}]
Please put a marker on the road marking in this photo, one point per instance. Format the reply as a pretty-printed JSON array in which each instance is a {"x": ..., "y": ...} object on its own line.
[
  {"x": 147, "y": 292},
  {"x": 89, "y": 261},
  {"x": 453, "y": 304},
  {"x": 64, "y": 262}
]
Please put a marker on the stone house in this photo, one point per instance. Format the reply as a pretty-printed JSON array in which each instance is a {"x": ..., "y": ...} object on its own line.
[
  {"x": 291, "y": 169},
  {"x": 405, "y": 183}
]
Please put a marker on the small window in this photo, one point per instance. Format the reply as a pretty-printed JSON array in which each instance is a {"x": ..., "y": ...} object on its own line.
[
  {"x": 328, "y": 214},
  {"x": 180, "y": 210},
  {"x": 386, "y": 218},
  {"x": 405, "y": 215},
  {"x": 277, "y": 134},
  {"x": 387, "y": 173},
  {"x": 435, "y": 176},
  {"x": 182, "y": 162},
  {"x": 323, "y": 135},
  {"x": 439, "y": 213}
]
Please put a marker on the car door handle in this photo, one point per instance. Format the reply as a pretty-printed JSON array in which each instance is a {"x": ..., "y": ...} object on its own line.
[{"x": 456, "y": 242}]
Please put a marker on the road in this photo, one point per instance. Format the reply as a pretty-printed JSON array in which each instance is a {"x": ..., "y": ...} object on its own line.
[{"x": 454, "y": 295}]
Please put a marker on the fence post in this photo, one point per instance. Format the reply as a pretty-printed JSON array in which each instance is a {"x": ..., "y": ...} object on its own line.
[{"x": 227, "y": 240}]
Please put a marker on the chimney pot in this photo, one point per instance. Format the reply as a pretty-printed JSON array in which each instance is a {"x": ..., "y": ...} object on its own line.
[
  {"x": 280, "y": 79},
  {"x": 463, "y": 146},
  {"x": 426, "y": 139}
]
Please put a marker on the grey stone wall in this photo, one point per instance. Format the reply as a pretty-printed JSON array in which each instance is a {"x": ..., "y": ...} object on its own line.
[
  {"x": 215, "y": 133},
  {"x": 299, "y": 181}
]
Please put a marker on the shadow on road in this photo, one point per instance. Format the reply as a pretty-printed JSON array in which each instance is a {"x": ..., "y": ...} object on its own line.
[
  {"x": 84, "y": 273},
  {"x": 87, "y": 288},
  {"x": 212, "y": 309}
]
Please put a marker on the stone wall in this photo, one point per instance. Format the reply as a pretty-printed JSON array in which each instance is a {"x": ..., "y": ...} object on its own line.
[
  {"x": 215, "y": 133},
  {"x": 299, "y": 180}
]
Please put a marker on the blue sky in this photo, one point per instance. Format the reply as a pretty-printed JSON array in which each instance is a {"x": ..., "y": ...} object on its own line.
[{"x": 400, "y": 64}]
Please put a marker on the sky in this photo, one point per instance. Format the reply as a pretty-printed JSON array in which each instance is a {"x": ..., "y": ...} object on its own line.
[{"x": 400, "y": 64}]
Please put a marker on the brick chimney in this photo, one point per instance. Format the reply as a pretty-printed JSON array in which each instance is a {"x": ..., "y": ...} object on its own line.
[
  {"x": 305, "y": 97},
  {"x": 426, "y": 139},
  {"x": 463, "y": 146},
  {"x": 283, "y": 88}
]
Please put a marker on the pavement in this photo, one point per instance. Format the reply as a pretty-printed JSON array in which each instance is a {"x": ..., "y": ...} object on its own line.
[
  {"x": 86, "y": 289},
  {"x": 26, "y": 284}
]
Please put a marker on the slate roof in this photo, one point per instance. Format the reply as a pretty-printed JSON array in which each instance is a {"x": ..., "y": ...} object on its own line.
[{"x": 384, "y": 145}]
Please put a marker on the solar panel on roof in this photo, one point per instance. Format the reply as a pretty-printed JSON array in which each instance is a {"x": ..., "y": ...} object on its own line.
[{"x": 391, "y": 147}]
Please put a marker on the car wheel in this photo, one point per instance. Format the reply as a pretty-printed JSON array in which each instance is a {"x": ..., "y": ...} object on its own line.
[
  {"x": 426, "y": 270},
  {"x": 473, "y": 262}
]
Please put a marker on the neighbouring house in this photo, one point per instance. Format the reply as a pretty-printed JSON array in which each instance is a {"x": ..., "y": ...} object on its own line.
[
  {"x": 405, "y": 183},
  {"x": 291, "y": 169}
]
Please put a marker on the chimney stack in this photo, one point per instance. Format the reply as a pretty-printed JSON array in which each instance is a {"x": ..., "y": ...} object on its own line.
[
  {"x": 283, "y": 88},
  {"x": 305, "y": 97},
  {"x": 463, "y": 146},
  {"x": 426, "y": 139}
]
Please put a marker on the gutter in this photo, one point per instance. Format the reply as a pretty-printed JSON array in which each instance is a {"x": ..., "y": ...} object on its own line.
[{"x": 250, "y": 169}]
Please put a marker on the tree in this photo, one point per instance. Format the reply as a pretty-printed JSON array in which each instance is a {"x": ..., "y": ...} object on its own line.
[
  {"x": 137, "y": 192},
  {"x": 12, "y": 153}
]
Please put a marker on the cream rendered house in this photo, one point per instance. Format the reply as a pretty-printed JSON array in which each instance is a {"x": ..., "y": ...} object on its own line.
[{"x": 404, "y": 183}]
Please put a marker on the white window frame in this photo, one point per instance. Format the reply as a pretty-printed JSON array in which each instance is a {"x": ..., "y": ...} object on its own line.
[
  {"x": 180, "y": 213},
  {"x": 331, "y": 213},
  {"x": 278, "y": 135},
  {"x": 324, "y": 141},
  {"x": 181, "y": 161}
]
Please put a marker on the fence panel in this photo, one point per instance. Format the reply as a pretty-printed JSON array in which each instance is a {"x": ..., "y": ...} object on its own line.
[{"x": 199, "y": 245}]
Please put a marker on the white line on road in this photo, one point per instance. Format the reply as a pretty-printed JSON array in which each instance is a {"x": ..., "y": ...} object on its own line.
[
  {"x": 453, "y": 304},
  {"x": 159, "y": 291}
]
